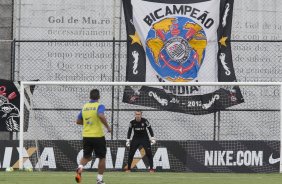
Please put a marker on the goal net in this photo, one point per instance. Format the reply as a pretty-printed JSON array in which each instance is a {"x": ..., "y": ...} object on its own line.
[{"x": 232, "y": 137}]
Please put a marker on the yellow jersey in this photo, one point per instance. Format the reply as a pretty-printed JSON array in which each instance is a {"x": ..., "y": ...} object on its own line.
[{"x": 92, "y": 125}]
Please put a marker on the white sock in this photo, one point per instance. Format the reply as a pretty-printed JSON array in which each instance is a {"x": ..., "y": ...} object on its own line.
[{"x": 99, "y": 177}]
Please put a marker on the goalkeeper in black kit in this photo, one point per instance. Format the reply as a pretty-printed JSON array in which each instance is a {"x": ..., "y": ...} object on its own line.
[{"x": 140, "y": 138}]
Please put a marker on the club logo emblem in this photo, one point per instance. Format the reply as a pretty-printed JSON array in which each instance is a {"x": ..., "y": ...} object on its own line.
[{"x": 176, "y": 48}]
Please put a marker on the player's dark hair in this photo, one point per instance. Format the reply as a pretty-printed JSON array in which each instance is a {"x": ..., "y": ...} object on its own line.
[
  {"x": 139, "y": 111},
  {"x": 94, "y": 94}
]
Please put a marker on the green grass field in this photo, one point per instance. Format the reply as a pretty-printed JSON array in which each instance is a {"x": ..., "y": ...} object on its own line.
[{"x": 138, "y": 178}]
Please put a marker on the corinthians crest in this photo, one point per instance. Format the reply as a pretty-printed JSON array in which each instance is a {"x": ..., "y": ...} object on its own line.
[{"x": 176, "y": 48}]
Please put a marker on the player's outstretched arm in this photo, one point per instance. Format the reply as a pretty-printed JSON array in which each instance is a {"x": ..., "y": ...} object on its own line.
[
  {"x": 128, "y": 135},
  {"x": 149, "y": 127},
  {"x": 104, "y": 121},
  {"x": 79, "y": 121},
  {"x": 127, "y": 144},
  {"x": 153, "y": 140}
]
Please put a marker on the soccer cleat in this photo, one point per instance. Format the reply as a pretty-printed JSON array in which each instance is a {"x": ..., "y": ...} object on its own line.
[
  {"x": 127, "y": 170},
  {"x": 100, "y": 182},
  {"x": 151, "y": 170},
  {"x": 78, "y": 175}
]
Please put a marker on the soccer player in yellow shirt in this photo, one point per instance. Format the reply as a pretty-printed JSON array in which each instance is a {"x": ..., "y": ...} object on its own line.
[{"x": 92, "y": 118}]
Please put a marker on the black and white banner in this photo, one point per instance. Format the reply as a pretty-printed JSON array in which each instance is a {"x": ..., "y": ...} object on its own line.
[
  {"x": 180, "y": 41},
  {"x": 9, "y": 106},
  {"x": 177, "y": 156}
]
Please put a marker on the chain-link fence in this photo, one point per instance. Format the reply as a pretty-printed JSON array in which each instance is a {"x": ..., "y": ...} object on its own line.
[
  {"x": 53, "y": 110},
  {"x": 105, "y": 61}
]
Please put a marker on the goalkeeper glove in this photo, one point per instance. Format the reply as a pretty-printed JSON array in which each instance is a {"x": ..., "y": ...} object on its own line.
[
  {"x": 153, "y": 141},
  {"x": 127, "y": 142}
]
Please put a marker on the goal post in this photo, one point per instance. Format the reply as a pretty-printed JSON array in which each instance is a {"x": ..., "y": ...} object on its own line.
[{"x": 161, "y": 116}]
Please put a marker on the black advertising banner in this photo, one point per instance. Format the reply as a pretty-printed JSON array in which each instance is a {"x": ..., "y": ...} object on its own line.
[
  {"x": 233, "y": 156},
  {"x": 9, "y": 106},
  {"x": 180, "y": 41},
  {"x": 176, "y": 156}
]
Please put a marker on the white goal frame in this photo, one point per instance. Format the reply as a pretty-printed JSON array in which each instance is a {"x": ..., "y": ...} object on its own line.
[{"x": 28, "y": 83}]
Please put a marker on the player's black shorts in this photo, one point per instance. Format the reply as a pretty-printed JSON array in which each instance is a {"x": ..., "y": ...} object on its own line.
[
  {"x": 140, "y": 141},
  {"x": 96, "y": 145}
]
